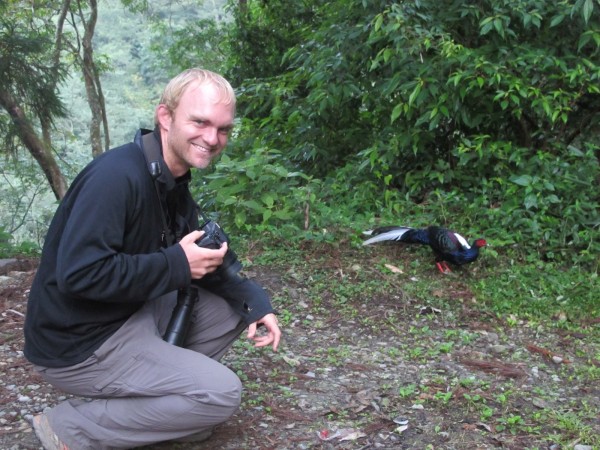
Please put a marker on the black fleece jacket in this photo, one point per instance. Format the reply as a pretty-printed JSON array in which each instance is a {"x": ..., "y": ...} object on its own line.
[{"x": 104, "y": 256}]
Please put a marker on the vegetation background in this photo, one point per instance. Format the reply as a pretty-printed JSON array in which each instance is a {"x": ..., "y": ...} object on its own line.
[
  {"x": 480, "y": 116},
  {"x": 483, "y": 116}
]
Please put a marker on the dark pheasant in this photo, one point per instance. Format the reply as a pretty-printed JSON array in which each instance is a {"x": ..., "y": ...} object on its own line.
[{"x": 448, "y": 246}]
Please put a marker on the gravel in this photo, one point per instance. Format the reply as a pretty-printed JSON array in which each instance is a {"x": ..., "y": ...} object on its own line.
[{"x": 378, "y": 373}]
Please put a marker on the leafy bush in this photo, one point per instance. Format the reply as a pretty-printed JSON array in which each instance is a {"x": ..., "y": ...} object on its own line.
[
  {"x": 485, "y": 114},
  {"x": 254, "y": 191},
  {"x": 9, "y": 248}
]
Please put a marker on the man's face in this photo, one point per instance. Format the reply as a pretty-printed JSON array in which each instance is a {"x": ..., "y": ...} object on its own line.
[{"x": 197, "y": 130}]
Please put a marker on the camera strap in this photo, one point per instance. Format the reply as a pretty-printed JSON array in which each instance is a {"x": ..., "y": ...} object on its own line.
[
  {"x": 151, "y": 150},
  {"x": 152, "y": 154}
]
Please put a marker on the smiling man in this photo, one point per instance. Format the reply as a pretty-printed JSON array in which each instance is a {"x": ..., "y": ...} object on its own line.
[
  {"x": 120, "y": 247},
  {"x": 196, "y": 130}
]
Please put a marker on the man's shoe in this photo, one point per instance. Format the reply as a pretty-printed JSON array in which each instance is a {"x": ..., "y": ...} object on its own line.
[{"x": 47, "y": 437}]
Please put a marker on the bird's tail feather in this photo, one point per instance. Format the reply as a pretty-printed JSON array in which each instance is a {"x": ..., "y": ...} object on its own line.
[{"x": 389, "y": 234}]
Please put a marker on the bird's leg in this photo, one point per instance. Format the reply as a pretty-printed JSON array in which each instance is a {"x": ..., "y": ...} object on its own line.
[{"x": 443, "y": 267}]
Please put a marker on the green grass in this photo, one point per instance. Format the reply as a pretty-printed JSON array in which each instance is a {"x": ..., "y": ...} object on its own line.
[
  {"x": 502, "y": 288},
  {"x": 540, "y": 291},
  {"x": 502, "y": 281}
]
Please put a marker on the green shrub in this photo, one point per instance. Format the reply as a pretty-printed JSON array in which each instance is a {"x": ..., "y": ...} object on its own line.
[{"x": 255, "y": 192}]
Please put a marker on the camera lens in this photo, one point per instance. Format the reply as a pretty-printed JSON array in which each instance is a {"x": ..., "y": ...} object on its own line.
[{"x": 230, "y": 267}]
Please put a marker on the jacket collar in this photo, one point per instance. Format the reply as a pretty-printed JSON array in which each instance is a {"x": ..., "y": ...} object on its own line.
[{"x": 166, "y": 177}]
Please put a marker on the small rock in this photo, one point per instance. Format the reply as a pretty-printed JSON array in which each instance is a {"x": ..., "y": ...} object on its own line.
[
  {"x": 557, "y": 359},
  {"x": 539, "y": 403},
  {"x": 492, "y": 337},
  {"x": 582, "y": 447},
  {"x": 499, "y": 348}
]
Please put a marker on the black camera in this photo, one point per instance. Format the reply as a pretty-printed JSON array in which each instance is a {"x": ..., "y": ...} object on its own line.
[{"x": 214, "y": 237}]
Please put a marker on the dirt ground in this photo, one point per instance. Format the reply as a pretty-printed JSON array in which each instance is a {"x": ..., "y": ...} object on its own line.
[{"x": 384, "y": 372}]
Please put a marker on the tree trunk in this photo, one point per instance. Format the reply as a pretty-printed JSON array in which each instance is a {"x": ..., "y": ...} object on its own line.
[
  {"x": 41, "y": 153},
  {"x": 93, "y": 87}
]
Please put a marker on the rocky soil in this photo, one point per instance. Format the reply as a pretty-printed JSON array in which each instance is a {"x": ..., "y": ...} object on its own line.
[{"x": 368, "y": 372}]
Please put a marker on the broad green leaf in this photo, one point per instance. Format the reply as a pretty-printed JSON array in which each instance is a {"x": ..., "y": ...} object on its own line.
[
  {"x": 414, "y": 94},
  {"x": 522, "y": 180},
  {"x": 531, "y": 201},
  {"x": 588, "y": 8},
  {"x": 387, "y": 54},
  {"x": 254, "y": 205},
  {"x": 553, "y": 199},
  {"x": 556, "y": 20},
  {"x": 378, "y": 22},
  {"x": 268, "y": 200},
  {"x": 240, "y": 219},
  {"x": 267, "y": 213},
  {"x": 396, "y": 112},
  {"x": 499, "y": 26},
  {"x": 283, "y": 214}
]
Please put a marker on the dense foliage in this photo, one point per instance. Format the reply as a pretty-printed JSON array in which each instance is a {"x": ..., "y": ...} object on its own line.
[
  {"x": 486, "y": 114},
  {"x": 483, "y": 116}
]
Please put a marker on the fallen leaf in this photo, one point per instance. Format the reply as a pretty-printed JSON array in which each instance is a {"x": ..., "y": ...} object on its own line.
[
  {"x": 353, "y": 436},
  {"x": 345, "y": 434},
  {"x": 484, "y": 426},
  {"x": 429, "y": 310},
  {"x": 393, "y": 269},
  {"x": 291, "y": 362},
  {"x": 401, "y": 429}
]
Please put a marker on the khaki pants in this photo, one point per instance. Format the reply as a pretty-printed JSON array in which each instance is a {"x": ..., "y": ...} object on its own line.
[{"x": 142, "y": 390}]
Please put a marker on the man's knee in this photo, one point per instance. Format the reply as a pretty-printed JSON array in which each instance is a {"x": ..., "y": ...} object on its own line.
[
  {"x": 224, "y": 395},
  {"x": 231, "y": 390}
]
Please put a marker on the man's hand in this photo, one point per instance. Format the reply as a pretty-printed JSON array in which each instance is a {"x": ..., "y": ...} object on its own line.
[
  {"x": 201, "y": 260},
  {"x": 273, "y": 332}
]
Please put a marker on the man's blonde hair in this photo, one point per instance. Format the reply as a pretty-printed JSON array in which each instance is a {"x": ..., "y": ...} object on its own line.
[{"x": 175, "y": 88}]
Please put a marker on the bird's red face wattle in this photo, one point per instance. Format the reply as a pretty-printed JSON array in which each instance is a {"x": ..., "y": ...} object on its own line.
[{"x": 480, "y": 243}]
